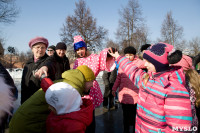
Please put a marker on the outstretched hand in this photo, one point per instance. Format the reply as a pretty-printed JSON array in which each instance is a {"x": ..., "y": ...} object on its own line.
[
  {"x": 41, "y": 71},
  {"x": 113, "y": 53}
]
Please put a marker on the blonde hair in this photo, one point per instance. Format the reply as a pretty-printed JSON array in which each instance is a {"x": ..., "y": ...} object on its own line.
[
  {"x": 194, "y": 80},
  {"x": 146, "y": 78}
]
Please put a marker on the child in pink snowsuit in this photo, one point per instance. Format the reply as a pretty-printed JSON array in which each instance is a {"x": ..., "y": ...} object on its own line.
[{"x": 97, "y": 62}]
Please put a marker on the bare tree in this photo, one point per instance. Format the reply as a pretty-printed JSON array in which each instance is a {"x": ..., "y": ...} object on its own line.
[
  {"x": 8, "y": 11},
  {"x": 111, "y": 43},
  {"x": 171, "y": 32},
  {"x": 195, "y": 45},
  {"x": 1, "y": 48},
  {"x": 82, "y": 23},
  {"x": 130, "y": 23},
  {"x": 140, "y": 37}
]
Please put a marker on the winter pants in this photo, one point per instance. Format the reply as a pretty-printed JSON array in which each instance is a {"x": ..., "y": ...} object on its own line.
[{"x": 129, "y": 114}]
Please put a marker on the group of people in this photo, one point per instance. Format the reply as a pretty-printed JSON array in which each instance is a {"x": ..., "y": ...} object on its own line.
[{"x": 158, "y": 93}]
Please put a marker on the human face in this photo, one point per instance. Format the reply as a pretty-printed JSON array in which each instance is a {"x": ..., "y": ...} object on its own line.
[
  {"x": 39, "y": 50},
  {"x": 50, "y": 51},
  {"x": 88, "y": 85},
  {"x": 60, "y": 52},
  {"x": 81, "y": 52},
  {"x": 150, "y": 67},
  {"x": 130, "y": 56}
]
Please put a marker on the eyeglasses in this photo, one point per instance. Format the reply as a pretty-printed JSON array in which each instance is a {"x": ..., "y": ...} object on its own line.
[
  {"x": 50, "y": 50},
  {"x": 38, "y": 47}
]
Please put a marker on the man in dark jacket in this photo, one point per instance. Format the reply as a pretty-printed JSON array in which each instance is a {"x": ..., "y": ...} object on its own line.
[
  {"x": 30, "y": 84},
  {"x": 56, "y": 64},
  {"x": 109, "y": 80}
]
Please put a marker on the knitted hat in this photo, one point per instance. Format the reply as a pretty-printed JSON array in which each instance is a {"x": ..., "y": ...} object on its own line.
[
  {"x": 87, "y": 72},
  {"x": 63, "y": 97},
  {"x": 185, "y": 63},
  {"x": 38, "y": 40},
  {"x": 130, "y": 50},
  {"x": 79, "y": 43},
  {"x": 61, "y": 45},
  {"x": 52, "y": 47},
  {"x": 160, "y": 54}
]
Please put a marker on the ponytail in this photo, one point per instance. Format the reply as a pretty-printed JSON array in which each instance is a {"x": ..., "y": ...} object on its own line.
[{"x": 194, "y": 80}]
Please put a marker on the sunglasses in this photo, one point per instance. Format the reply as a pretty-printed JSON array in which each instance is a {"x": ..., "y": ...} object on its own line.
[{"x": 50, "y": 50}]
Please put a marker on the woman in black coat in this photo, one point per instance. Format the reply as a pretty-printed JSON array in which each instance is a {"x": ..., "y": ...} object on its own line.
[{"x": 30, "y": 84}]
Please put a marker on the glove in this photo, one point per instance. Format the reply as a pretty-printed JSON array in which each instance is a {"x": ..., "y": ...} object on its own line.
[{"x": 46, "y": 83}]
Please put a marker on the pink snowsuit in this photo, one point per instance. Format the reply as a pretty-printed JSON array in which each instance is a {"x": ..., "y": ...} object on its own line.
[{"x": 97, "y": 62}]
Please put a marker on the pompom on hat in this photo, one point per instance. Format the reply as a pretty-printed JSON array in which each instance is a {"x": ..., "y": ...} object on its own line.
[
  {"x": 87, "y": 72},
  {"x": 38, "y": 40},
  {"x": 161, "y": 55},
  {"x": 79, "y": 43},
  {"x": 185, "y": 63}
]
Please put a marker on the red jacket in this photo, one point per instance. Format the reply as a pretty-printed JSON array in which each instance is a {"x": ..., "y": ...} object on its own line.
[{"x": 74, "y": 122}]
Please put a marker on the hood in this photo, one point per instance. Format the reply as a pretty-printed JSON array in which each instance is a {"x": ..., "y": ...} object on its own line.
[
  {"x": 174, "y": 75},
  {"x": 85, "y": 114},
  {"x": 75, "y": 78}
]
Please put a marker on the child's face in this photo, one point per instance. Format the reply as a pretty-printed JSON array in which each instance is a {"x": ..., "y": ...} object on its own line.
[
  {"x": 81, "y": 52},
  {"x": 150, "y": 67},
  {"x": 130, "y": 56},
  {"x": 88, "y": 85}
]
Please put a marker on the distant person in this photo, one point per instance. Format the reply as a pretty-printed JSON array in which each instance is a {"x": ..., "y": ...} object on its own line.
[
  {"x": 128, "y": 92},
  {"x": 51, "y": 50},
  {"x": 30, "y": 84},
  {"x": 57, "y": 64},
  {"x": 109, "y": 80},
  {"x": 8, "y": 94}
]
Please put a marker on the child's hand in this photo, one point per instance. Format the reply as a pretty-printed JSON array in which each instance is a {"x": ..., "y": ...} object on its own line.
[{"x": 113, "y": 53}]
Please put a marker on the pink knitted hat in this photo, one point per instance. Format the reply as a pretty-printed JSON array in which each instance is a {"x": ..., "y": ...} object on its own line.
[
  {"x": 38, "y": 40},
  {"x": 79, "y": 43},
  {"x": 157, "y": 55},
  {"x": 185, "y": 62},
  {"x": 78, "y": 39}
]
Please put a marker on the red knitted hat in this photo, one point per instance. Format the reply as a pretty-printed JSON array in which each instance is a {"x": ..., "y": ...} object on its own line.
[{"x": 157, "y": 55}]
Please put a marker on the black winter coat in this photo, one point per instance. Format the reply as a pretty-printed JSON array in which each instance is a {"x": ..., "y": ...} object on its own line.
[
  {"x": 56, "y": 66},
  {"x": 30, "y": 84}
]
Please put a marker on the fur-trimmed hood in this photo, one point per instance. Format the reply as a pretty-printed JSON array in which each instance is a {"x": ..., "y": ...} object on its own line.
[{"x": 6, "y": 98}]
